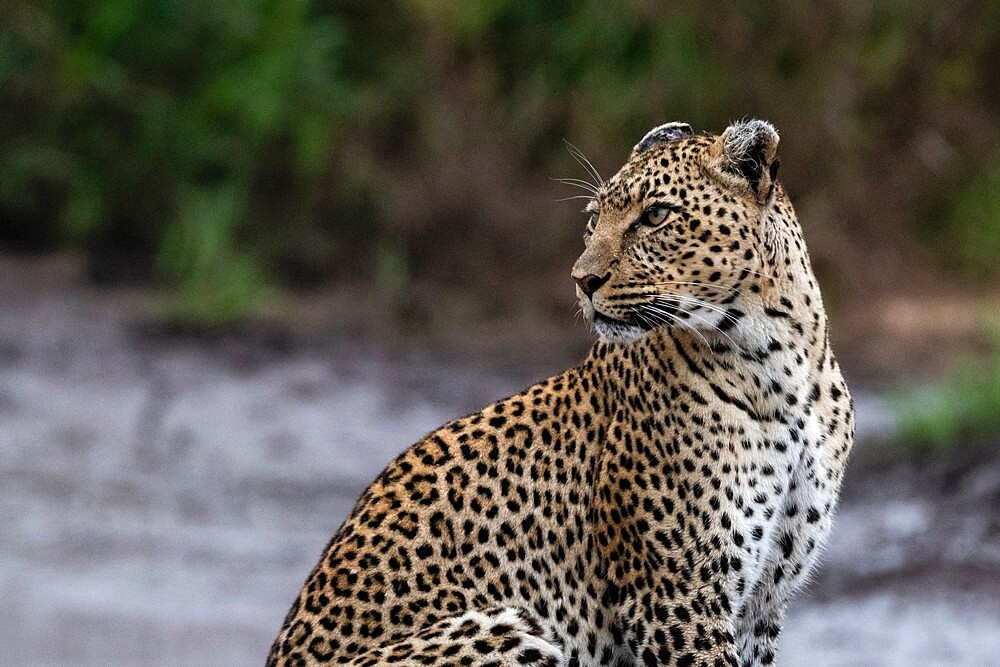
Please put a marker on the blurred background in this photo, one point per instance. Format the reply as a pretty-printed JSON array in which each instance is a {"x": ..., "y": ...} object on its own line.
[{"x": 251, "y": 250}]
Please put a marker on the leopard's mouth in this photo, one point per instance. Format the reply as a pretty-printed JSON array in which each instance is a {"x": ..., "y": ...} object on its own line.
[
  {"x": 642, "y": 319},
  {"x": 615, "y": 329},
  {"x": 607, "y": 320}
]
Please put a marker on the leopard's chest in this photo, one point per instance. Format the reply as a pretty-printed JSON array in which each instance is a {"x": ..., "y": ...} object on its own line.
[{"x": 773, "y": 503}]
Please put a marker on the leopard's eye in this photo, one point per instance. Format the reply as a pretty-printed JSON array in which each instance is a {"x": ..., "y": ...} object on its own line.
[
  {"x": 591, "y": 223},
  {"x": 656, "y": 215}
]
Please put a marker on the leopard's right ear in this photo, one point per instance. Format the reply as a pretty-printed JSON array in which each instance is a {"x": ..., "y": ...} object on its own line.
[
  {"x": 747, "y": 153},
  {"x": 662, "y": 134}
]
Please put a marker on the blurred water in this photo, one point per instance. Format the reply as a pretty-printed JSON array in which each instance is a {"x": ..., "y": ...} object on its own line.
[{"x": 161, "y": 503}]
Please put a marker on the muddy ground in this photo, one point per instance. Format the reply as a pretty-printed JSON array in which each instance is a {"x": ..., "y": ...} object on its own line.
[{"x": 162, "y": 498}]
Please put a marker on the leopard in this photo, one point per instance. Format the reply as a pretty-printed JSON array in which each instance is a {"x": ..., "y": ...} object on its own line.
[{"x": 658, "y": 504}]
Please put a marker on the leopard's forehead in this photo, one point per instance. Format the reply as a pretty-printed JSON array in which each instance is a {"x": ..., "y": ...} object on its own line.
[{"x": 671, "y": 164}]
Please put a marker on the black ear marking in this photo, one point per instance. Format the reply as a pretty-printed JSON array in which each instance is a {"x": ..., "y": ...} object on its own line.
[
  {"x": 661, "y": 135},
  {"x": 750, "y": 152},
  {"x": 773, "y": 173},
  {"x": 751, "y": 162}
]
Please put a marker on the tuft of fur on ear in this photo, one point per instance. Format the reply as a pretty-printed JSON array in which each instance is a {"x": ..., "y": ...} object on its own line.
[
  {"x": 662, "y": 134},
  {"x": 749, "y": 150}
]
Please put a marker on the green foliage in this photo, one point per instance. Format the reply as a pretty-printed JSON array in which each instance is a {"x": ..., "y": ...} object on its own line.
[
  {"x": 217, "y": 282},
  {"x": 244, "y": 143},
  {"x": 201, "y": 127},
  {"x": 964, "y": 405},
  {"x": 972, "y": 223}
]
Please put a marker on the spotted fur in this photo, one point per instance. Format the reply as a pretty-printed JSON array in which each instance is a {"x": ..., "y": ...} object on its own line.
[{"x": 657, "y": 504}]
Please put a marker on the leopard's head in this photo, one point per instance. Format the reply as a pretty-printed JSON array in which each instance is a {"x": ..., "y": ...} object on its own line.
[{"x": 678, "y": 237}]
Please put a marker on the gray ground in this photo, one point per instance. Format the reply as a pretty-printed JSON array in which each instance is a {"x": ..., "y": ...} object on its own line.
[{"x": 162, "y": 501}]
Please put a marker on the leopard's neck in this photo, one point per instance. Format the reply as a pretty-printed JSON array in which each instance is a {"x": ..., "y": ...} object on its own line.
[{"x": 765, "y": 366}]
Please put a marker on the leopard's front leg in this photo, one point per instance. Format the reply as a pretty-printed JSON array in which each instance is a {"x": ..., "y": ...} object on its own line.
[{"x": 688, "y": 628}]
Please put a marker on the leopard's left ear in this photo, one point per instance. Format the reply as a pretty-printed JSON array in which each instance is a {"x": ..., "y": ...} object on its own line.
[
  {"x": 748, "y": 150},
  {"x": 662, "y": 134}
]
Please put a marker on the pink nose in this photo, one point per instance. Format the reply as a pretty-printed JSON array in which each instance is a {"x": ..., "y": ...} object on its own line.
[{"x": 591, "y": 283}]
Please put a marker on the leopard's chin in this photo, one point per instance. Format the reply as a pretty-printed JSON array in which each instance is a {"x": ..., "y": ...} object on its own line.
[{"x": 617, "y": 331}]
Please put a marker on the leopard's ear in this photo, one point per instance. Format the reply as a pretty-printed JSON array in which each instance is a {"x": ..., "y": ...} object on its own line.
[
  {"x": 748, "y": 150},
  {"x": 662, "y": 134}
]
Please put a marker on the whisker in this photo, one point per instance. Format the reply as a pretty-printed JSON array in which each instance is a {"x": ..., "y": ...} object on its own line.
[
  {"x": 573, "y": 179},
  {"x": 709, "y": 306},
  {"x": 713, "y": 307},
  {"x": 716, "y": 328},
  {"x": 712, "y": 326},
  {"x": 681, "y": 323},
  {"x": 584, "y": 162},
  {"x": 699, "y": 303},
  {"x": 756, "y": 273},
  {"x": 677, "y": 322},
  {"x": 718, "y": 288},
  {"x": 695, "y": 300},
  {"x": 652, "y": 319},
  {"x": 645, "y": 320},
  {"x": 579, "y": 183}
]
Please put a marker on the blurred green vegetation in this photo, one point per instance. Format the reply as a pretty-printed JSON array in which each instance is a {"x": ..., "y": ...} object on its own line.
[
  {"x": 234, "y": 147},
  {"x": 963, "y": 406}
]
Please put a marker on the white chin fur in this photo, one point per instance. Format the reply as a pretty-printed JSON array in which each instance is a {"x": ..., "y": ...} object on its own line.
[{"x": 618, "y": 333}]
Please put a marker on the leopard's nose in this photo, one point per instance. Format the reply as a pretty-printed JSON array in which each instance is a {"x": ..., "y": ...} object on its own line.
[{"x": 590, "y": 283}]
